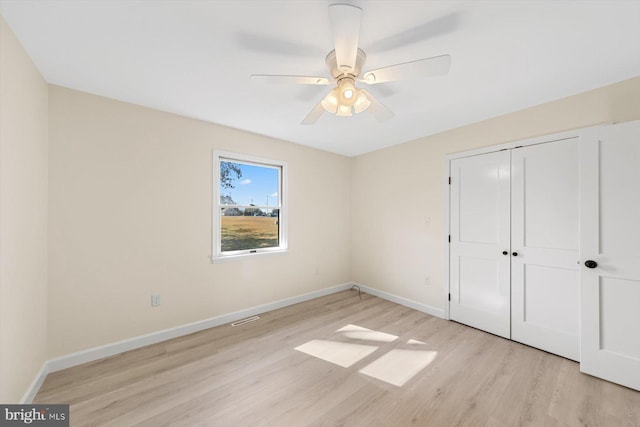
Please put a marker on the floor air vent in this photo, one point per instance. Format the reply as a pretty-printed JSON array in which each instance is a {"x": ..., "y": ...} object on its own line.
[{"x": 247, "y": 320}]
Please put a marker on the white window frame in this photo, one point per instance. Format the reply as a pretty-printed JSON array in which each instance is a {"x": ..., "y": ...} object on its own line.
[{"x": 283, "y": 219}]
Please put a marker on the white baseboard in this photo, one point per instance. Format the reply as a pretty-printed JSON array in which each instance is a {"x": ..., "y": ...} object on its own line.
[
  {"x": 437, "y": 312},
  {"x": 35, "y": 384},
  {"x": 112, "y": 349}
]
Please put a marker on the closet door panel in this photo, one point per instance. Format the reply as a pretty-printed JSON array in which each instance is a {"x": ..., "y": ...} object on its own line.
[
  {"x": 479, "y": 226},
  {"x": 544, "y": 235},
  {"x": 610, "y": 237},
  {"x": 542, "y": 296}
]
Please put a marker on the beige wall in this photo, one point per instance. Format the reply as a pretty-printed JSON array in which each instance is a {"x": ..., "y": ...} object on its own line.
[
  {"x": 397, "y": 204},
  {"x": 130, "y": 215},
  {"x": 23, "y": 218}
]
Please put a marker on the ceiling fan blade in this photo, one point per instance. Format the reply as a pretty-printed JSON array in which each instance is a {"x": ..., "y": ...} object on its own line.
[
  {"x": 314, "y": 115},
  {"x": 301, "y": 80},
  {"x": 345, "y": 27},
  {"x": 377, "y": 108},
  {"x": 426, "y": 67}
]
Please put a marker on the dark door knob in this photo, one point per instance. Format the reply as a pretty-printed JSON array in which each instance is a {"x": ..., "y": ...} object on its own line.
[
  {"x": 590, "y": 263},
  {"x": 515, "y": 254},
  {"x": 505, "y": 253}
]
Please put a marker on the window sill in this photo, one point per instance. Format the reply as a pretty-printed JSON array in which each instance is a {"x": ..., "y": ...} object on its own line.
[{"x": 246, "y": 256}]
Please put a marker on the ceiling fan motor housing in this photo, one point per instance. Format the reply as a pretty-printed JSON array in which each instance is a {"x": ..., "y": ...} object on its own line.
[{"x": 337, "y": 72}]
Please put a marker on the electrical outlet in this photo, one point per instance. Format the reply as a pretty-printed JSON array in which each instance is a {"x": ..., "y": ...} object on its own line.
[
  {"x": 427, "y": 281},
  {"x": 155, "y": 300}
]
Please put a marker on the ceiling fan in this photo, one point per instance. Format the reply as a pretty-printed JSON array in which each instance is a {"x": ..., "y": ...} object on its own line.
[{"x": 346, "y": 64}]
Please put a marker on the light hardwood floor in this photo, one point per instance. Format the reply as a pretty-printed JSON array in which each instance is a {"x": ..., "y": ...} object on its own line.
[{"x": 251, "y": 376}]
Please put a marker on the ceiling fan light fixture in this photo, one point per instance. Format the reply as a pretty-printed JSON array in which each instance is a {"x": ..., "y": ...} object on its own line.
[
  {"x": 347, "y": 90},
  {"x": 344, "y": 111},
  {"x": 362, "y": 102},
  {"x": 330, "y": 102}
]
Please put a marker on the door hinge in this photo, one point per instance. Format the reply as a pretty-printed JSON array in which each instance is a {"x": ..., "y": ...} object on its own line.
[
  {"x": 449, "y": 238},
  {"x": 449, "y": 180},
  {"x": 449, "y": 297}
]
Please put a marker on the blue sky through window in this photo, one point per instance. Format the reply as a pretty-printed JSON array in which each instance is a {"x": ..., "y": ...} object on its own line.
[{"x": 258, "y": 185}]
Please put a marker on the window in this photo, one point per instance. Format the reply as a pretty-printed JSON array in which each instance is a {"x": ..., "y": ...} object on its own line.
[{"x": 250, "y": 211}]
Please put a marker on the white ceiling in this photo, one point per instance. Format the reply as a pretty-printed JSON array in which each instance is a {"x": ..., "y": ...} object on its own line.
[{"x": 194, "y": 58}]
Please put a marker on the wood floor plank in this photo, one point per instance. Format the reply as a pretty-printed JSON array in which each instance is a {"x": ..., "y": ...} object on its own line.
[{"x": 252, "y": 375}]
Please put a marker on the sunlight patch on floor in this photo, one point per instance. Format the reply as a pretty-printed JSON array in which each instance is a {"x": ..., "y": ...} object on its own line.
[
  {"x": 338, "y": 353},
  {"x": 395, "y": 367},
  {"x": 360, "y": 333},
  {"x": 398, "y": 366}
]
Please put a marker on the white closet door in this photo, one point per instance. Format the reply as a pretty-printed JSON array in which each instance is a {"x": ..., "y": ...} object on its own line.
[
  {"x": 610, "y": 237},
  {"x": 545, "y": 283},
  {"x": 479, "y": 224}
]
